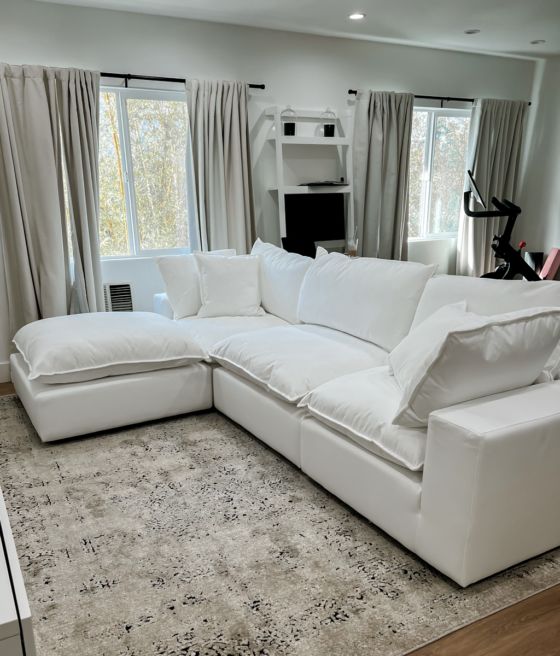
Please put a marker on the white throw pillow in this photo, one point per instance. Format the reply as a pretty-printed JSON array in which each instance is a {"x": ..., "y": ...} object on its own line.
[
  {"x": 488, "y": 355},
  {"x": 418, "y": 348},
  {"x": 488, "y": 296},
  {"x": 229, "y": 286},
  {"x": 366, "y": 297},
  {"x": 89, "y": 346},
  {"x": 281, "y": 276},
  {"x": 180, "y": 277}
]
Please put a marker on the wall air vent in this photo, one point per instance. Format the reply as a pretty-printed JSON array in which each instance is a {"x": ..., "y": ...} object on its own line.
[{"x": 118, "y": 297}]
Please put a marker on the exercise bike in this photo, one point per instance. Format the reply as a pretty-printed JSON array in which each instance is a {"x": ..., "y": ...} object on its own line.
[{"x": 513, "y": 264}]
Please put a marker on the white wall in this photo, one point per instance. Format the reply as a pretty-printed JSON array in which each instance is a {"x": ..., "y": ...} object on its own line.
[
  {"x": 540, "y": 200},
  {"x": 305, "y": 71}
]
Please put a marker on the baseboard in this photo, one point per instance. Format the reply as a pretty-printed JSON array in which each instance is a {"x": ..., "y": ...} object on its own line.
[{"x": 5, "y": 372}]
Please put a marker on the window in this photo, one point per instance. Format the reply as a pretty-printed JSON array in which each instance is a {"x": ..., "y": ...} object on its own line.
[
  {"x": 437, "y": 171},
  {"x": 142, "y": 172}
]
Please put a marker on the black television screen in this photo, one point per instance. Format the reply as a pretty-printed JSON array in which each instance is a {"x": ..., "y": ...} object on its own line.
[{"x": 311, "y": 218}]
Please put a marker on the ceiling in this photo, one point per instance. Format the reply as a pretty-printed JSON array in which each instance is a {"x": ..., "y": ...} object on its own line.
[{"x": 506, "y": 26}]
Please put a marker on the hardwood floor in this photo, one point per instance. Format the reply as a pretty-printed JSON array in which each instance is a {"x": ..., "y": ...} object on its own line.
[
  {"x": 529, "y": 628},
  {"x": 6, "y": 388}
]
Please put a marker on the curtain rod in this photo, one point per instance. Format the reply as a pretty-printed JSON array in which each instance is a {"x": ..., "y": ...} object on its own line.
[
  {"x": 156, "y": 78},
  {"x": 442, "y": 99}
]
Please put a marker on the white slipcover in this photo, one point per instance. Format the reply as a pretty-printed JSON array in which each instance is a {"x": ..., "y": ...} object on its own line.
[
  {"x": 291, "y": 361},
  {"x": 281, "y": 277},
  {"x": 366, "y": 297},
  {"x": 362, "y": 406},
  {"x": 208, "y": 331},
  {"x": 82, "y": 347}
]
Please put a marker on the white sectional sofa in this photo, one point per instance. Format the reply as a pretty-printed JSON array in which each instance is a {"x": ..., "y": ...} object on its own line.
[{"x": 473, "y": 492}]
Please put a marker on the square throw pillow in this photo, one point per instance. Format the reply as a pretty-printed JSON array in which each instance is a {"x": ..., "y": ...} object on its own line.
[
  {"x": 417, "y": 349},
  {"x": 281, "y": 276},
  {"x": 229, "y": 286},
  {"x": 182, "y": 286},
  {"x": 484, "y": 356}
]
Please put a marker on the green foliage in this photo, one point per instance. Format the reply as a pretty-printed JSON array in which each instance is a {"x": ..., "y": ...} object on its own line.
[
  {"x": 113, "y": 229},
  {"x": 158, "y": 152},
  {"x": 416, "y": 172},
  {"x": 447, "y": 173}
]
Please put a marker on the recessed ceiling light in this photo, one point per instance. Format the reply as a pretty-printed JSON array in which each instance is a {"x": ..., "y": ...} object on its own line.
[
  {"x": 357, "y": 15},
  {"x": 536, "y": 42},
  {"x": 472, "y": 31}
]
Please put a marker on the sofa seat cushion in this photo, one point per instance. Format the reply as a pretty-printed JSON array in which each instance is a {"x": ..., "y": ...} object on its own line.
[
  {"x": 361, "y": 406},
  {"x": 80, "y": 347},
  {"x": 208, "y": 331},
  {"x": 290, "y": 361}
]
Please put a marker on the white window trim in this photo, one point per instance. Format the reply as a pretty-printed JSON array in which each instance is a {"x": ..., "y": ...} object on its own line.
[
  {"x": 433, "y": 114},
  {"x": 122, "y": 94}
]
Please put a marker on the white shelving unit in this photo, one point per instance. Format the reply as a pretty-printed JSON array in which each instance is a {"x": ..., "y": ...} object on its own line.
[{"x": 308, "y": 157}]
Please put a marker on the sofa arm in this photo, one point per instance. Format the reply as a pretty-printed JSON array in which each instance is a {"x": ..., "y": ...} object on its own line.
[
  {"x": 491, "y": 483},
  {"x": 162, "y": 305}
]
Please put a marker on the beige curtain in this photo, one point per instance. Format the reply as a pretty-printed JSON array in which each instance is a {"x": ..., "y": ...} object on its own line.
[
  {"x": 382, "y": 129},
  {"x": 78, "y": 100},
  {"x": 31, "y": 196},
  {"x": 32, "y": 208},
  {"x": 222, "y": 164},
  {"x": 495, "y": 147}
]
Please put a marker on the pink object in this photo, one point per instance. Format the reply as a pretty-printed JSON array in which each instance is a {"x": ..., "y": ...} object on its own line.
[{"x": 551, "y": 266}]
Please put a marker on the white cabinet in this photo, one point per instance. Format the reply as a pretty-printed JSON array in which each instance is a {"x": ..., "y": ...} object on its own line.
[{"x": 10, "y": 639}]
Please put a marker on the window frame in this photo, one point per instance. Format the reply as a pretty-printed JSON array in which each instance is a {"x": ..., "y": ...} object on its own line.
[
  {"x": 427, "y": 172},
  {"x": 122, "y": 94}
]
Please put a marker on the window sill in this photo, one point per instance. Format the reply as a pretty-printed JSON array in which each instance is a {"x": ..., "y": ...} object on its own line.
[
  {"x": 445, "y": 237},
  {"x": 145, "y": 256}
]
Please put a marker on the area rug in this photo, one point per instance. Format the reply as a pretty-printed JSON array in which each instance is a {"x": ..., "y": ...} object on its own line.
[{"x": 189, "y": 537}]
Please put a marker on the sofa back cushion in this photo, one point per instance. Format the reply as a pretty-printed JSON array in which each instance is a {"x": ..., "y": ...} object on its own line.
[
  {"x": 281, "y": 276},
  {"x": 366, "y": 297},
  {"x": 456, "y": 356},
  {"x": 486, "y": 295}
]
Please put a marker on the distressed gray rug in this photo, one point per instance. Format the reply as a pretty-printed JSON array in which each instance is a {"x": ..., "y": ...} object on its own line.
[{"x": 189, "y": 537}]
